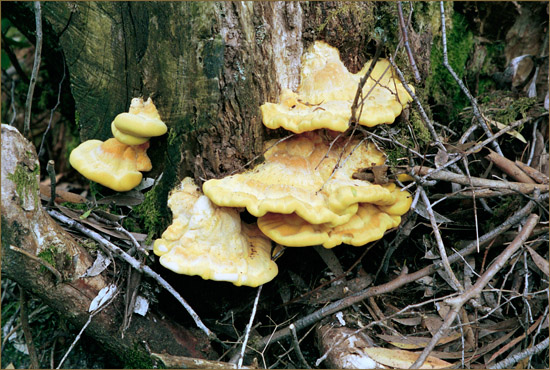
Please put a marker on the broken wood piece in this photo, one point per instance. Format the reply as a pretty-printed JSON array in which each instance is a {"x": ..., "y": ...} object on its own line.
[
  {"x": 181, "y": 362},
  {"x": 536, "y": 175},
  {"x": 477, "y": 181},
  {"x": 509, "y": 167}
]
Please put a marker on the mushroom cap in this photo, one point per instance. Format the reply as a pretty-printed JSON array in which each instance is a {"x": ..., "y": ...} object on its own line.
[
  {"x": 125, "y": 138},
  {"x": 213, "y": 242},
  {"x": 111, "y": 163},
  {"x": 142, "y": 120},
  {"x": 297, "y": 177},
  {"x": 326, "y": 93},
  {"x": 368, "y": 224}
]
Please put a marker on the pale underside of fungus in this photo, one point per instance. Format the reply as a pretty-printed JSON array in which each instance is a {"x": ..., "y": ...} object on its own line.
[
  {"x": 326, "y": 93},
  {"x": 213, "y": 242},
  {"x": 368, "y": 224},
  {"x": 299, "y": 176}
]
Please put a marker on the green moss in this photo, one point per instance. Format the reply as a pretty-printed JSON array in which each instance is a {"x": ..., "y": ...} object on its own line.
[
  {"x": 440, "y": 84},
  {"x": 153, "y": 213},
  {"x": 48, "y": 255},
  {"x": 419, "y": 127},
  {"x": 137, "y": 359},
  {"x": 26, "y": 182},
  {"x": 516, "y": 110}
]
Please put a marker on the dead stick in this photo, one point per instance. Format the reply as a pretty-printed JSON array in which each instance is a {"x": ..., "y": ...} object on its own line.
[
  {"x": 463, "y": 87},
  {"x": 457, "y": 302},
  {"x": 442, "y": 252},
  {"x": 405, "y": 35},
  {"x": 509, "y": 167},
  {"x": 536, "y": 175},
  {"x": 27, "y": 330},
  {"x": 477, "y": 181}
]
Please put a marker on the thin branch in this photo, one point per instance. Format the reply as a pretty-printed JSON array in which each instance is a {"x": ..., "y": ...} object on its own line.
[
  {"x": 35, "y": 68},
  {"x": 50, "y": 168},
  {"x": 509, "y": 361},
  {"x": 135, "y": 264},
  {"x": 405, "y": 36},
  {"x": 53, "y": 110},
  {"x": 457, "y": 302},
  {"x": 27, "y": 330},
  {"x": 521, "y": 187},
  {"x": 248, "y": 329},
  {"x": 463, "y": 87},
  {"x": 49, "y": 267},
  {"x": 442, "y": 252},
  {"x": 296, "y": 346}
]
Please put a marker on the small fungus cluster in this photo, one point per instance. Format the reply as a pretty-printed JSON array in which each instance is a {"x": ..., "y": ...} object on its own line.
[
  {"x": 118, "y": 162},
  {"x": 304, "y": 193}
]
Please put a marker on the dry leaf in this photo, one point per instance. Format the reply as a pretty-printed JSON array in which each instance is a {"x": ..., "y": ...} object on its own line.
[
  {"x": 416, "y": 342},
  {"x": 408, "y": 321},
  {"x": 540, "y": 261},
  {"x": 400, "y": 359}
]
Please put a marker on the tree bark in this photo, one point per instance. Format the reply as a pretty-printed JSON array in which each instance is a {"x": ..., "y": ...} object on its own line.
[{"x": 36, "y": 237}]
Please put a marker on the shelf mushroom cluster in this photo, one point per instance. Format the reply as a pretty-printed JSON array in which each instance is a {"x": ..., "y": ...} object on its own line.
[
  {"x": 118, "y": 162},
  {"x": 304, "y": 193}
]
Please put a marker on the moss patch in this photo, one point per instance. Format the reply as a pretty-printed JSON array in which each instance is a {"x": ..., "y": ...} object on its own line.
[
  {"x": 26, "y": 183},
  {"x": 440, "y": 83}
]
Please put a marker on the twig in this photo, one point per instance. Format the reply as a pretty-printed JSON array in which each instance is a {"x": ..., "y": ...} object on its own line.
[
  {"x": 12, "y": 93},
  {"x": 536, "y": 175},
  {"x": 398, "y": 282},
  {"x": 51, "y": 172},
  {"x": 509, "y": 361},
  {"x": 53, "y": 110},
  {"x": 27, "y": 330},
  {"x": 509, "y": 167},
  {"x": 92, "y": 314},
  {"x": 532, "y": 151},
  {"x": 463, "y": 87},
  {"x": 49, "y": 267},
  {"x": 442, "y": 252},
  {"x": 248, "y": 329},
  {"x": 135, "y": 264},
  {"x": 420, "y": 108},
  {"x": 405, "y": 36},
  {"x": 477, "y": 181},
  {"x": 457, "y": 302},
  {"x": 35, "y": 68},
  {"x": 296, "y": 345}
]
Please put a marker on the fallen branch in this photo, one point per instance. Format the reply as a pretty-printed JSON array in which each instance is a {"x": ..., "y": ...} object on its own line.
[
  {"x": 457, "y": 302},
  {"x": 509, "y": 167},
  {"x": 477, "y": 181}
]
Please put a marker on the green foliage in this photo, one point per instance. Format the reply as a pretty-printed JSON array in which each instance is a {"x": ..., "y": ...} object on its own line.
[{"x": 440, "y": 84}]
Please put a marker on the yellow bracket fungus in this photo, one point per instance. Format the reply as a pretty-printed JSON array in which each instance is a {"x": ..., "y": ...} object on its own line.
[
  {"x": 213, "y": 242},
  {"x": 368, "y": 224},
  {"x": 297, "y": 177},
  {"x": 116, "y": 162},
  {"x": 326, "y": 92},
  {"x": 140, "y": 123},
  {"x": 111, "y": 163}
]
